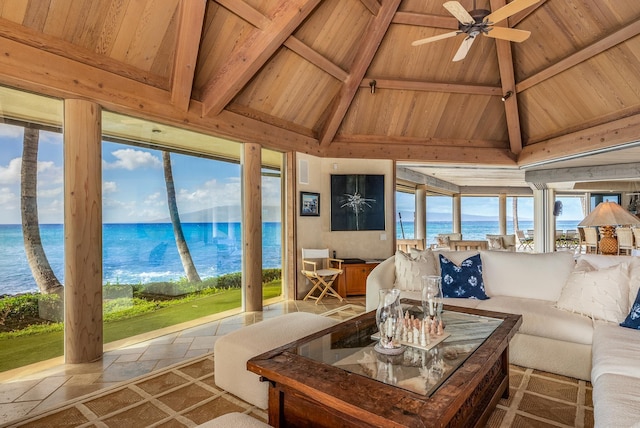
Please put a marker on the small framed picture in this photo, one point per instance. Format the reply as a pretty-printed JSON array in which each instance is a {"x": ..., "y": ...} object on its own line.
[{"x": 309, "y": 204}]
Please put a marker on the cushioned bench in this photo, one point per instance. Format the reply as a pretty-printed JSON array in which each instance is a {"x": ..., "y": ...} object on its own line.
[{"x": 232, "y": 351}]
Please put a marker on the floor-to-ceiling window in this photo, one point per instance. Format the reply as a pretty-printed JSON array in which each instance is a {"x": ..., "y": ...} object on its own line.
[{"x": 31, "y": 228}]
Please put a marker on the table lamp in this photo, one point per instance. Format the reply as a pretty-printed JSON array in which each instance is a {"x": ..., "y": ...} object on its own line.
[{"x": 607, "y": 216}]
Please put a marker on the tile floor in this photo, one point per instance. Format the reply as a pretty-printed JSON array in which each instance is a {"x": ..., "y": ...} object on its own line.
[{"x": 33, "y": 390}]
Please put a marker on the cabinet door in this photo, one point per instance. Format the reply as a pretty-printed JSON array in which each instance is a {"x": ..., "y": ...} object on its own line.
[{"x": 356, "y": 278}]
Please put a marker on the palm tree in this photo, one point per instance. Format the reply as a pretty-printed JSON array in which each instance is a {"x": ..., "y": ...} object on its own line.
[
  {"x": 515, "y": 213},
  {"x": 183, "y": 249},
  {"x": 40, "y": 268}
]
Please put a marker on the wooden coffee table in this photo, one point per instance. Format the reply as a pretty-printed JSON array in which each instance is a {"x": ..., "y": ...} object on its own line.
[{"x": 335, "y": 378}]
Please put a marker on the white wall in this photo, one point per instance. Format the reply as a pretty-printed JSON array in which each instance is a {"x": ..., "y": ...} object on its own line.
[{"x": 315, "y": 232}]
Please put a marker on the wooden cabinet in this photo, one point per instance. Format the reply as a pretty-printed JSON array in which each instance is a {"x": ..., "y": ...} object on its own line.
[{"x": 353, "y": 280}]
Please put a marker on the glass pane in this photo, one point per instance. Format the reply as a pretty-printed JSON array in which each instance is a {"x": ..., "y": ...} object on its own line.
[
  {"x": 405, "y": 215},
  {"x": 272, "y": 237},
  {"x": 31, "y": 229}
]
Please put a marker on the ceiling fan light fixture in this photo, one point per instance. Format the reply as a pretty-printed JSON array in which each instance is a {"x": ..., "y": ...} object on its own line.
[{"x": 506, "y": 96}]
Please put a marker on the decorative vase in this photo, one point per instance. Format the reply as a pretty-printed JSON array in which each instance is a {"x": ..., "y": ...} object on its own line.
[
  {"x": 389, "y": 319},
  {"x": 432, "y": 297}
]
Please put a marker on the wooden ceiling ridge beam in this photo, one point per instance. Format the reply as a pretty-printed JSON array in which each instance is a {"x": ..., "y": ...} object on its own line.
[
  {"x": 189, "y": 33},
  {"x": 595, "y": 48},
  {"x": 416, "y": 85},
  {"x": 27, "y": 36},
  {"x": 508, "y": 80},
  {"x": 372, "y": 5},
  {"x": 521, "y": 16},
  {"x": 371, "y": 41},
  {"x": 418, "y": 141},
  {"x": 421, "y": 153},
  {"x": 315, "y": 58},
  {"x": 425, "y": 20},
  {"x": 603, "y": 137},
  {"x": 249, "y": 57},
  {"x": 246, "y": 12}
]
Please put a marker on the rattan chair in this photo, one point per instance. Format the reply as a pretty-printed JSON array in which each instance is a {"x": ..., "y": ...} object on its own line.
[
  {"x": 591, "y": 240},
  {"x": 625, "y": 240}
]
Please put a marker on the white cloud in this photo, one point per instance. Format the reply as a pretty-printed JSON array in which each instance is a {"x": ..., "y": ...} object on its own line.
[
  {"x": 11, "y": 173},
  {"x": 8, "y": 199},
  {"x": 131, "y": 159},
  {"x": 10, "y": 131},
  {"x": 109, "y": 187},
  {"x": 50, "y": 193}
]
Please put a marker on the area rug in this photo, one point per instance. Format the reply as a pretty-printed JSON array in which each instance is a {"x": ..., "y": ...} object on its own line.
[{"x": 185, "y": 395}]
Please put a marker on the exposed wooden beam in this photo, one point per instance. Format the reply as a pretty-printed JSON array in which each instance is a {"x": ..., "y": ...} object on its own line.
[
  {"x": 424, "y": 20},
  {"x": 370, "y": 42},
  {"x": 249, "y": 57},
  {"x": 421, "y": 152},
  {"x": 520, "y": 16},
  {"x": 508, "y": 80},
  {"x": 584, "y": 173},
  {"x": 315, "y": 58},
  {"x": 416, "y": 85},
  {"x": 430, "y": 182},
  {"x": 28, "y": 68},
  {"x": 385, "y": 139},
  {"x": 246, "y": 12},
  {"x": 372, "y": 5},
  {"x": 266, "y": 118},
  {"x": 583, "y": 142},
  {"x": 27, "y": 36},
  {"x": 495, "y": 190},
  {"x": 623, "y": 34},
  {"x": 190, "y": 25}
]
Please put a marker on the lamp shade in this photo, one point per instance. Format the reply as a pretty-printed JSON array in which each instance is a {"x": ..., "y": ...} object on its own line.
[{"x": 609, "y": 214}]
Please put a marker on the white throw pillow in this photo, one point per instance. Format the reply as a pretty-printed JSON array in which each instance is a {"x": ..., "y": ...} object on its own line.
[
  {"x": 409, "y": 272},
  {"x": 526, "y": 275},
  {"x": 634, "y": 280},
  {"x": 600, "y": 294},
  {"x": 495, "y": 243}
]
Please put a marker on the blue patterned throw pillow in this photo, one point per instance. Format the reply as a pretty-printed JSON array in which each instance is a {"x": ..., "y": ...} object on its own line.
[
  {"x": 464, "y": 281},
  {"x": 633, "y": 319}
]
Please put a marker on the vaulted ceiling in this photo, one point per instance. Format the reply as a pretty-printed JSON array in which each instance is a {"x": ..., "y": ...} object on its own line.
[{"x": 299, "y": 74}]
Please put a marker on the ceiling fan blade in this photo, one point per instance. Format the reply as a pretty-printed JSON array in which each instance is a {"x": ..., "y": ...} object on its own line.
[
  {"x": 434, "y": 38},
  {"x": 510, "y": 34},
  {"x": 459, "y": 12},
  {"x": 512, "y": 8},
  {"x": 463, "y": 49}
]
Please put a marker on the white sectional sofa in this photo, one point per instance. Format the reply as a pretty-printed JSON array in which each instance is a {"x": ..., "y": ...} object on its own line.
[{"x": 571, "y": 310}]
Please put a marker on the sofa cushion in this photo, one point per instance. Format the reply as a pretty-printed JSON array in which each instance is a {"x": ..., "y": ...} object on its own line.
[
  {"x": 464, "y": 280},
  {"x": 615, "y": 351},
  {"x": 541, "y": 318},
  {"x": 599, "y": 261},
  {"x": 600, "y": 294},
  {"x": 535, "y": 276},
  {"x": 633, "y": 318},
  {"x": 409, "y": 272},
  {"x": 616, "y": 400}
]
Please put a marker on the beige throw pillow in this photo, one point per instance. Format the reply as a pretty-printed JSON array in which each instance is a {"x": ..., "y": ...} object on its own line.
[
  {"x": 600, "y": 294},
  {"x": 495, "y": 243},
  {"x": 409, "y": 272}
]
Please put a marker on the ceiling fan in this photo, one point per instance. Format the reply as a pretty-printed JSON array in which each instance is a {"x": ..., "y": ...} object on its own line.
[{"x": 480, "y": 21}]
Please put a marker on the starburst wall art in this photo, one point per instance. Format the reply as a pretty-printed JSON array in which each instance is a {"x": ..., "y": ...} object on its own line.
[{"x": 357, "y": 202}]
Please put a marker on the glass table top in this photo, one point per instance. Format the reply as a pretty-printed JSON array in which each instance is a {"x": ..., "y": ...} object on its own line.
[{"x": 419, "y": 370}]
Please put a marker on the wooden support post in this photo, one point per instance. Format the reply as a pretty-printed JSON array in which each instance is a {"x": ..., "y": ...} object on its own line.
[
  {"x": 457, "y": 213},
  {"x": 83, "y": 337},
  {"x": 502, "y": 213},
  {"x": 420, "y": 221},
  {"x": 252, "y": 227}
]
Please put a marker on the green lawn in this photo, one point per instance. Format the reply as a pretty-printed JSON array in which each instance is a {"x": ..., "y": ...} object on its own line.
[{"x": 24, "y": 350}]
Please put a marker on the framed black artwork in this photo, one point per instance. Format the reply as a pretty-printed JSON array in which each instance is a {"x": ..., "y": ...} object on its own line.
[
  {"x": 357, "y": 202},
  {"x": 309, "y": 204}
]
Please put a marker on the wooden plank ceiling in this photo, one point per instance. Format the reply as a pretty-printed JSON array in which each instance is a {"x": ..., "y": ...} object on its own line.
[{"x": 340, "y": 78}]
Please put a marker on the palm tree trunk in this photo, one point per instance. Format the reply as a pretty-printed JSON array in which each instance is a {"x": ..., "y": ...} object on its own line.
[
  {"x": 516, "y": 226},
  {"x": 181, "y": 243},
  {"x": 40, "y": 268}
]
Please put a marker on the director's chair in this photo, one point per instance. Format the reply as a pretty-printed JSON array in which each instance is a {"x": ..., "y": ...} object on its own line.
[{"x": 319, "y": 269}]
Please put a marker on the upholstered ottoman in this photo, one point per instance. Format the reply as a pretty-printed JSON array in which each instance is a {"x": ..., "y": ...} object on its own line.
[
  {"x": 232, "y": 351},
  {"x": 234, "y": 420}
]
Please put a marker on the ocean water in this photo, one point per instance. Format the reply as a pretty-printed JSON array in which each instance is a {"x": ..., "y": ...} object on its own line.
[
  {"x": 472, "y": 230},
  {"x": 139, "y": 253},
  {"x": 142, "y": 253}
]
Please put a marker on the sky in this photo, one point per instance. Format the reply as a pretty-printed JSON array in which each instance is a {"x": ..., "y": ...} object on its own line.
[
  {"x": 133, "y": 183},
  {"x": 134, "y": 189}
]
